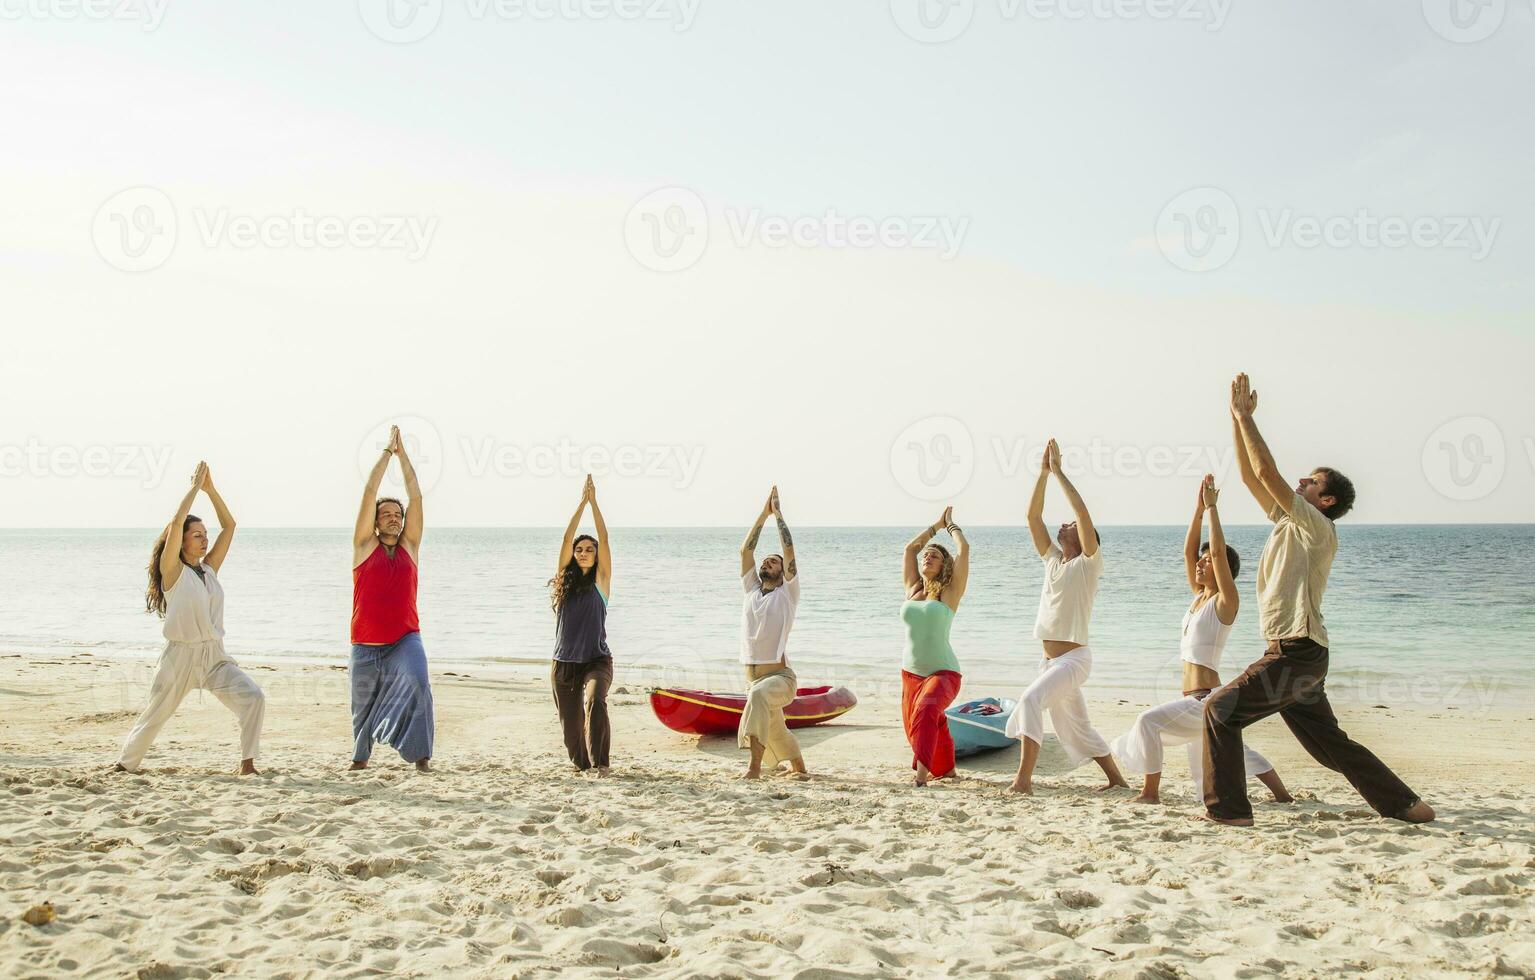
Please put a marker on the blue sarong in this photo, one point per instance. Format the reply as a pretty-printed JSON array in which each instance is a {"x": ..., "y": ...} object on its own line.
[{"x": 392, "y": 699}]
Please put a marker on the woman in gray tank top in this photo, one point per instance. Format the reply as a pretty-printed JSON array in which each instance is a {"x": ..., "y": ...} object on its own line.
[{"x": 582, "y": 670}]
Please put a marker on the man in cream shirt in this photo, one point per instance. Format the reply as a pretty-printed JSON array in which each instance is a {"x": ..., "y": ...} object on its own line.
[
  {"x": 1289, "y": 679},
  {"x": 767, "y": 614},
  {"x": 1073, "y": 566}
]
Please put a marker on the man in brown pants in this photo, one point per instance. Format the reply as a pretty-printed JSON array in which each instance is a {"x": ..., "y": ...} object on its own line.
[{"x": 1290, "y": 676}]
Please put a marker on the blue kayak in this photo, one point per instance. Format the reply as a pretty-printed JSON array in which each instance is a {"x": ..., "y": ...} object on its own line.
[{"x": 974, "y": 730}]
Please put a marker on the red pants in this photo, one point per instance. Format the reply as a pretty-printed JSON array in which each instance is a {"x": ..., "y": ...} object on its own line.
[{"x": 923, "y": 700}]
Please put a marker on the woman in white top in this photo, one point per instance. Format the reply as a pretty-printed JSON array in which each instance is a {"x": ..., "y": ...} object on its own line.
[
  {"x": 1211, "y": 568},
  {"x": 1073, "y": 566},
  {"x": 184, "y": 590}
]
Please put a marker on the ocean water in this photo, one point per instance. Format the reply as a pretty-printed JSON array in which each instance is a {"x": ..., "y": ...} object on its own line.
[{"x": 1427, "y": 615}]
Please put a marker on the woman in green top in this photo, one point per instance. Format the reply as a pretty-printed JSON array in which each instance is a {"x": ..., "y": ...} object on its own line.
[{"x": 935, "y": 582}]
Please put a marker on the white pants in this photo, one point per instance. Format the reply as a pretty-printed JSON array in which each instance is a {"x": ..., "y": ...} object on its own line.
[
  {"x": 183, "y": 668},
  {"x": 1140, "y": 749},
  {"x": 1058, "y": 690}
]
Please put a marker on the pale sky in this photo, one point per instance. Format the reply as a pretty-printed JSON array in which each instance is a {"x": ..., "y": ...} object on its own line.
[{"x": 724, "y": 245}]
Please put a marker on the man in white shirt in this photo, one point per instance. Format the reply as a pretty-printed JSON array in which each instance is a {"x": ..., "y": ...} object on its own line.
[
  {"x": 767, "y": 614},
  {"x": 1073, "y": 565},
  {"x": 1289, "y": 679}
]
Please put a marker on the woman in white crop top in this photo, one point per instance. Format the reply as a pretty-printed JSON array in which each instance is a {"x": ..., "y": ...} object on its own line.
[
  {"x": 1211, "y": 568},
  {"x": 184, "y": 589}
]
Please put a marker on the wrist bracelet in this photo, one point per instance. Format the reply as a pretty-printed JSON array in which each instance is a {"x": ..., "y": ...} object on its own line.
[{"x": 951, "y": 528}]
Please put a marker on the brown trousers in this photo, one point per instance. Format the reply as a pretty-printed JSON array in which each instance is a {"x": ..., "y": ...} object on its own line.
[
  {"x": 1289, "y": 679},
  {"x": 581, "y": 696}
]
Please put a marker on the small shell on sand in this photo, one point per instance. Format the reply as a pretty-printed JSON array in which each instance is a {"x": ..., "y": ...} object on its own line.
[{"x": 40, "y": 915}]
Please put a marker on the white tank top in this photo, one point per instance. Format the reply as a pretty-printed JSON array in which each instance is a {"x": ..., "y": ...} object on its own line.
[
  {"x": 1204, "y": 636},
  {"x": 194, "y": 607}
]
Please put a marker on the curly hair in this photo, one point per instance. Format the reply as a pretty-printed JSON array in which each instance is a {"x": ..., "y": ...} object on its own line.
[
  {"x": 154, "y": 596},
  {"x": 933, "y": 589},
  {"x": 571, "y": 580}
]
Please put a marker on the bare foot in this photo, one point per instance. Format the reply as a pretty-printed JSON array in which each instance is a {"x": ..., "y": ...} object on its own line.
[
  {"x": 1022, "y": 788},
  {"x": 1143, "y": 798},
  {"x": 1283, "y": 798},
  {"x": 1120, "y": 784},
  {"x": 603, "y": 772},
  {"x": 423, "y": 765},
  {"x": 248, "y": 767},
  {"x": 752, "y": 774},
  {"x": 1241, "y": 822},
  {"x": 1419, "y": 812},
  {"x": 118, "y": 767},
  {"x": 358, "y": 764}
]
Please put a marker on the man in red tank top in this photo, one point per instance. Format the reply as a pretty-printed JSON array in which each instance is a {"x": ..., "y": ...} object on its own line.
[{"x": 391, "y": 692}]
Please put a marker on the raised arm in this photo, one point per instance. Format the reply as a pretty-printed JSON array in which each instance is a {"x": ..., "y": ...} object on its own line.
[
  {"x": 604, "y": 548},
  {"x": 749, "y": 546},
  {"x": 785, "y": 539},
  {"x": 567, "y": 545},
  {"x": 1191, "y": 540},
  {"x": 961, "y": 579},
  {"x": 1227, "y": 602},
  {"x": 415, "y": 519},
  {"x": 911, "y": 576},
  {"x": 367, "y": 511},
  {"x": 170, "y": 558},
  {"x": 226, "y": 536},
  {"x": 1037, "y": 503},
  {"x": 1244, "y": 460},
  {"x": 1086, "y": 533},
  {"x": 1244, "y": 402}
]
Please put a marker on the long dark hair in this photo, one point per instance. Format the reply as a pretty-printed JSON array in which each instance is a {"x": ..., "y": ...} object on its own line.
[
  {"x": 154, "y": 596},
  {"x": 571, "y": 581}
]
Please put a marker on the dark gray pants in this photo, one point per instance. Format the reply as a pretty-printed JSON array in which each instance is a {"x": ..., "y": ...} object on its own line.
[{"x": 581, "y": 695}]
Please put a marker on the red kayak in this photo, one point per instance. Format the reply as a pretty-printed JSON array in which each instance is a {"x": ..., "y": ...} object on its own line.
[{"x": 703, "y": 713}]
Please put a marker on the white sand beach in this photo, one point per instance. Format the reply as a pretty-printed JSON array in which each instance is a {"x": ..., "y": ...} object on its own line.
[{"x": 504, "y": 863}]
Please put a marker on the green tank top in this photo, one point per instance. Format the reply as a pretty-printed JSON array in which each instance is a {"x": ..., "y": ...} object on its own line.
[{"x": 927, "y": 637}]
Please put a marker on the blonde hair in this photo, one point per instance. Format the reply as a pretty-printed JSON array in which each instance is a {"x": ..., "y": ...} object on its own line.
[{"x": 933, "y": 588}]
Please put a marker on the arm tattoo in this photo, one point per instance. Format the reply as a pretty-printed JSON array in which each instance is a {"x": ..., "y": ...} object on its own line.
[
  {"x": 793, "y": 569},
  {"x": 784, "y": 535},
  {"x": 751, "y": 539}
]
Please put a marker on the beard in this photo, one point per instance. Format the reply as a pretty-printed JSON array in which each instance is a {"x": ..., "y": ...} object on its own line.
[{"x": 775, "y": 579}]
